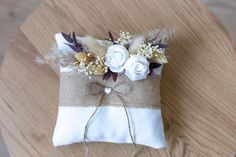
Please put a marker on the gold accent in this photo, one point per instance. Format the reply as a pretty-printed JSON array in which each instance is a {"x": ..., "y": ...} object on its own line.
[
  {"x": 99, "y": 71},
  {"x": 80, "y": 56},
  {"x": 90, "y": 55}
]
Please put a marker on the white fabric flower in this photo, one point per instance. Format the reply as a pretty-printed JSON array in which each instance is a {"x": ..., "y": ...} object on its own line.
[
  {"x": 116, "y": 57},
  {"x": 137, "y": 68}
]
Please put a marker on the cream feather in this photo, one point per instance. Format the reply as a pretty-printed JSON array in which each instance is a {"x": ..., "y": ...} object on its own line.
[
  {"x": 56, "y": 56},
  {"x": 136, "y": 43},
  {"x": 93, "y": 46},
  {"x": 160, "y": 36}
]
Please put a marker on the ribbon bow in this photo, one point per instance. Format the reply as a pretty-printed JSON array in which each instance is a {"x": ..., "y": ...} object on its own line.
[
  {"x": 120, "y": 89},
  {"x": 97, "y": 89}
]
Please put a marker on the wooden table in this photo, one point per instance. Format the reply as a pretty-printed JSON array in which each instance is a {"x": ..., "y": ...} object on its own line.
[{"x": 198, "y": 85}]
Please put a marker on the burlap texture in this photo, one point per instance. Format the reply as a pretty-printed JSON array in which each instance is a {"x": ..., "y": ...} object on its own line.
[{"x": 143, "y": 93}]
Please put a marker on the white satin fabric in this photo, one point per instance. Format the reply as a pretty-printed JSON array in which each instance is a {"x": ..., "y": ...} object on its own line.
[{"x": 109, "y": 125}]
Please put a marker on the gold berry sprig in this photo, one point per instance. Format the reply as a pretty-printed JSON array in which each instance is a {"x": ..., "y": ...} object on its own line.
[{"x": 90, "y": 64}]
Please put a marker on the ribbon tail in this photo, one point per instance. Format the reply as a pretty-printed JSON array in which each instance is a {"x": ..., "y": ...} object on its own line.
[
  {"x": 87, "y": 126},
  {"x": 129, "y": 124}
]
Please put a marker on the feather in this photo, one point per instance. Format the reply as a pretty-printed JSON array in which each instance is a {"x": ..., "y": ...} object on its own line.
[
  {"x": 40, "y": 60},
  {"x": 56, "y": 56},
  {"x": 136, "y": 43},
  {"x": 93, "y": 46},
  {"x": 159, "y": 36}
]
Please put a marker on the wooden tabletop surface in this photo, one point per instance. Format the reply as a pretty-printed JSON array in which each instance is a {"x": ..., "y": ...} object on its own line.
[{"x": 198, "y": 86}]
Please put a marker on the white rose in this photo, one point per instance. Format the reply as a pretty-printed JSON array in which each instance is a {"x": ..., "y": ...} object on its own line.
[
  {"x": 116, "y": 57},
  {"x": 137, "y": 68}
]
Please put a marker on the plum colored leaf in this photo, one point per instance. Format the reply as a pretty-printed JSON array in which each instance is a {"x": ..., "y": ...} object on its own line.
[
  {"x": 111, "y": 37},
  {"x": 154, "y": 65},
  {"x": 114, "y": 76},
  {"x": 74, "y": 44},
  {"x": 67, "y": 37},
  {"x": 74, "y": 48},
  {"x": 74, "y": 39},
  {"x": 107, "y": 75},
  {"x": 163, "y": 46}
]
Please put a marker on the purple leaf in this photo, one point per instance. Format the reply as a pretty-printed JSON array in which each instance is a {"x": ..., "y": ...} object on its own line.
[
  {"x": 111, "y": 37},
  {"x": 74, "y": 39},
  {"x": 163, "y": 46},
  {"x": 76, "y": 43},
  {"x": 77, "y": 47},
  {"x": 114, "y": 76},
  {"x": 81, "y": 49},
  {"x": 74, "y": 48},
  {"x": 107, "y": 75},
  {"x": 154, "y": 65},
  {"x": 67, "y": 37}
]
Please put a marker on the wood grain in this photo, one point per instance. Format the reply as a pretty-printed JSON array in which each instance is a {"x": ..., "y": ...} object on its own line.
[
  {"x": 198, "y": 86},
  {"x": 12, "y": 14}
]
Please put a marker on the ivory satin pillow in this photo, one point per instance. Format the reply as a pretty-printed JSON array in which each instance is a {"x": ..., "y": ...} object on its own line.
[{"x": 109, "y": 124}]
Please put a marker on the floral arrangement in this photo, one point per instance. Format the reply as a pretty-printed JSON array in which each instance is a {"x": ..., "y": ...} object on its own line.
[{"x": 132, "y": 56}]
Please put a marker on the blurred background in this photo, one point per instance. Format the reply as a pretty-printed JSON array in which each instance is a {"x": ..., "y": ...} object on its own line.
[{"x": 14, "y": 12}]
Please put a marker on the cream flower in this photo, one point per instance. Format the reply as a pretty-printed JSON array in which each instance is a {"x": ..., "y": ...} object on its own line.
[
  {"x": 137, "y": 68},
  {"x": 116, "y": 57}
]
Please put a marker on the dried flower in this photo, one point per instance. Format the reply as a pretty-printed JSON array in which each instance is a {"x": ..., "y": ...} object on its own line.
[
  {"x": 80, "y": 57},
  {"x": 90, "y": 65},
  {"x": 152, "y": 53},
  {"x": 135, "y": 56},
  {"x": 124, "y": 38}
]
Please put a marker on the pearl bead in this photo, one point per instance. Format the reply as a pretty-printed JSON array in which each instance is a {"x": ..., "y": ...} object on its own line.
[{"x": 108, "y": 90}]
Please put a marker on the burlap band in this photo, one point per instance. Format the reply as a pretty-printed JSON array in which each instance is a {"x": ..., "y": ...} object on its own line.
[{"x": 141, "y": 94}]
